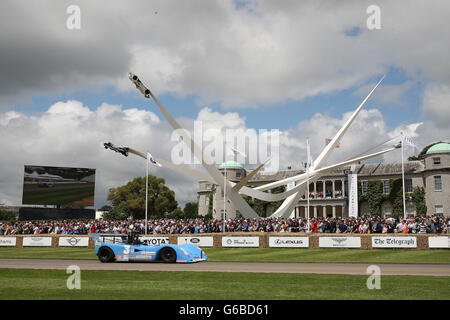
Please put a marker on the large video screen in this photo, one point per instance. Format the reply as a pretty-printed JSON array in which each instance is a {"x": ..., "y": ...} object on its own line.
[{"x": 68, "y": 187}]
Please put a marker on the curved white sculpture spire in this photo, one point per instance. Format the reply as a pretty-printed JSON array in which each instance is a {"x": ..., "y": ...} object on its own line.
[{"x": 213, "y": 175}]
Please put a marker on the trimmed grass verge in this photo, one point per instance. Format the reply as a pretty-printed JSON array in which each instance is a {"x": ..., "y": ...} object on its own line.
[{"x": 99, "y": 285}]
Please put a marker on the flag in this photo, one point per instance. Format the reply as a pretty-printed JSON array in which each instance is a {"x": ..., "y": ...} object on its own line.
[
  {"x": 310, "y": 161},
  {"x": 234, "y": 152},
  {"x": 328, "y": 140},
  {"x": 153, "y": 161},
  {"x": 406, "y": 141}
]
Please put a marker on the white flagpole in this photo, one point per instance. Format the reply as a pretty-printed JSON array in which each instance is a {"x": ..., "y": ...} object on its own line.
[
  {"x": 403, "y": 180},
  {"x": 307, "y": 182},
  {"x": 146, "y": 195},
  {"x": 225, "y": 198}
]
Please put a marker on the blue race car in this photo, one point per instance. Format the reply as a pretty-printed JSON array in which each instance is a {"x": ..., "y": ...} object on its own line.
[{"x": 122, "y": 247}]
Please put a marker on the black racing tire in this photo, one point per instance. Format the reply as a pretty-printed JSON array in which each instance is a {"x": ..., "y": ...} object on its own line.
[
  {"x": 105, "y": 254},
  {"x": 167, "y": 255}
]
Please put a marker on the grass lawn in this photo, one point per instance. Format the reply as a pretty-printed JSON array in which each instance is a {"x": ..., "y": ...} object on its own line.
[
  {"x": 51, "y": 284},
  {"x": 59, "y": 194},
  {"x": 436, "y": 256}
]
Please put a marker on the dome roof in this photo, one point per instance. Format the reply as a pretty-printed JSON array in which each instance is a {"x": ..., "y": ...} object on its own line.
[
  {"x": 231, "y": 165},
  {"x": 439, "y": 148}
]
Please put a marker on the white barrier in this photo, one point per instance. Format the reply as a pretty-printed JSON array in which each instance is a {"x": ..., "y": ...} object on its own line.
[
  {"x": 37, "y": 241},
  {"x": 394, "y": 242},
  {"x": 439, "y": 242},
  {"x": 288, "y": 242},
  {"x": 237, "y": 242},
  {"x": 73, "y": 242},
  {"x": 198, "y": 241},
  {"x": 7, "y": 241},
  {"x": 339, "y": 242}
]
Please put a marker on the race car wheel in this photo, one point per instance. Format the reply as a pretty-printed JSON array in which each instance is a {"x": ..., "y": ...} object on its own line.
[
  {"x": 105, "y": 254},
  {"x": 168, "y": 255}
]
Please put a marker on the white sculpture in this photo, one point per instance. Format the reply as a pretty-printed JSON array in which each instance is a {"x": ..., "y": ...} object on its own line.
[{"x": 213, "y": 175}]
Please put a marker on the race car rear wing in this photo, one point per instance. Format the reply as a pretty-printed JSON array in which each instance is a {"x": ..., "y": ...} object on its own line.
[{"x": 109, "y": 237}]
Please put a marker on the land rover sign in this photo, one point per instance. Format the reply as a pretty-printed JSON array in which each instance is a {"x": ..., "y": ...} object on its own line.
[{"x": 198, "y": 241}]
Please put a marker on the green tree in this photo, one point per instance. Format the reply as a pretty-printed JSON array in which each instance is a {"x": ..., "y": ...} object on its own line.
[
  {"x": 177, "y": 214},
  {"x": 418, "y": 197},
  {"x": 117, "y": 213},
  {"x": 422, "y": 153},
  {"x": 6, "y": 215},
  {"x": 129, "y": 200},
  {"x": 105, "y": 208},
  {"x": 191, "y": 210},
  {"x": 210, "y": 205},
  {"x": 396, "y": 197}
]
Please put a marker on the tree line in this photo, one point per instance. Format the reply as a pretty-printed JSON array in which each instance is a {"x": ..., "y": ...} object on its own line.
[{"x": 129, "y": 201}]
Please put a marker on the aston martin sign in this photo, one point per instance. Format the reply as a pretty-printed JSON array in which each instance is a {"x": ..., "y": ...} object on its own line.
[{"x": 339, "y": 242}]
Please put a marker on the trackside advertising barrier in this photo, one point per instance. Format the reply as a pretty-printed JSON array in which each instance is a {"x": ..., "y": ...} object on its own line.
[
  {"x": 437, "y": 242},
  {"x": 394, "y": 242},
  {"x": 7, "y": 241},
  {"x": 245, "y": 240},
  {"x": 198, "y": 241},
  {"x": 237, "y": 242},
  {"x": 288, "y": 242},
  {"x": 339, "y": 242},
  {"x": 155, "y": 241},
  {"x": 37, "y": 241},
  {"x": 73, "y": 242}
]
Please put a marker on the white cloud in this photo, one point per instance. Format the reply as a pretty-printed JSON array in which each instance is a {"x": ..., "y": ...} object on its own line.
[
  {"x": 392, "y": 94},
  {"x": 249, "y": 55},
  {"x": 70, "y": 134},
  {"x": 436, "y": 104}
]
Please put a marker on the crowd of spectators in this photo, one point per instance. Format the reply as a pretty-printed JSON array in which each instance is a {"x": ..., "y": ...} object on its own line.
[{"x": 420, "y": 225}]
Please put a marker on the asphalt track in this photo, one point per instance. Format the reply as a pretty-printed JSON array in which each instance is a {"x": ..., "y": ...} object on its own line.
[{"x": 261, "y": 267}]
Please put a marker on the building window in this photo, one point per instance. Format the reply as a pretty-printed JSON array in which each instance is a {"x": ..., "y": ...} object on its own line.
[
  {"x": 206, "y": 200},
  {"x": 386, "y": 187},
  {"x": 238, "y": 174},
  {"x": 436, "y": 160},
  {"x": 439, "y": 209},
  {"x": 208, "y": 187},
  {"x": 364, "y": 186},
  {"x": 387, "y": 211},
  {"x": 437, "y": 183},
  {"x": 408, "y": 185}
]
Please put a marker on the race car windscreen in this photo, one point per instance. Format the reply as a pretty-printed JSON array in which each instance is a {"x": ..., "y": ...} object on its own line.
[{"x": 67, "y": 187}]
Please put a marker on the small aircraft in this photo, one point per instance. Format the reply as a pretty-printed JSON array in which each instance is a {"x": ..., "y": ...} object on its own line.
[{"x": 122, "y": 150}]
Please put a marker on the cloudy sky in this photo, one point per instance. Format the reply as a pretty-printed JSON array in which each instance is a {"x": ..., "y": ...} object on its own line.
[{"x": 299, "y": 67}]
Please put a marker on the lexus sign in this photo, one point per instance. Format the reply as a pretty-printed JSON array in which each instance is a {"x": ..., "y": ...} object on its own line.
[{"x": 289, "y": 242}]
